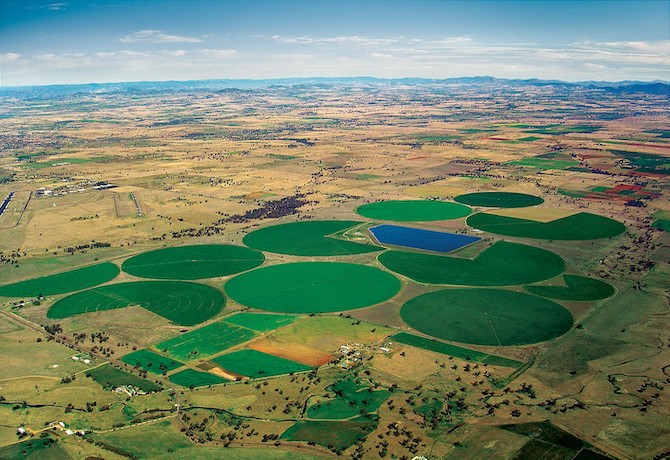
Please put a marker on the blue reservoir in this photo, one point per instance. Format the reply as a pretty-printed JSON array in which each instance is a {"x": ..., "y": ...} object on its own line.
[{"x": 420, "y": 239}]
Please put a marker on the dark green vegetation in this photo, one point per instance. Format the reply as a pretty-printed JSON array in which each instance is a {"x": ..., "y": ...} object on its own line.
[
  {"x": 436, "y": 137},
  {"x": 311, "y": 238},
  {"x": 499, "y": 199},
  {"x": 151, "y": 362},
  {"x": 581, "y": 226},
  {"x": 413, "y": 210},
  {"x": 193, "y": 262},
  {"x": 549, "y": 441},
  {"x": 338, "y": 435},
  {"x": 576, "y": 288},
  {"x": 110, "y": 377},
  {"x": 500, "y": 265},
  {"x": 253, "y": 363},
  {"x": 180, "y": 302},
  {"x": 350, "y": 400},
  {"x": 645, "y": 162},
  {"x": 190, "y": 378},
  {"x": 663, "y": 224},
  {"x": 313, "y": 287},
  {"x": 541, "y": 163},
  {"x": 453, "y": 350},
  {"x": 205, "y": 341},
  {"x": 60, "y": 283},
  {"x": 486, "y": 316},
  {"x": 36, "y": 448},
  {"x": 262, "y": 322},
  {"x": 562, "y": 129}
]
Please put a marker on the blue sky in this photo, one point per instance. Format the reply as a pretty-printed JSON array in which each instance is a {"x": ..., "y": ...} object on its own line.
[{"x": 81, "y": 41}]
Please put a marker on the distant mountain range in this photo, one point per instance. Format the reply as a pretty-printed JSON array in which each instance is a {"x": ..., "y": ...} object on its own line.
[{"x": 622, "y": 87}]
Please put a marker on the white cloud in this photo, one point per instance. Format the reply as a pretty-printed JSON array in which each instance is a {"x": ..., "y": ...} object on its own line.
[
  {"x": 156, "y": 36},
  {"x": 215, "y": 53},
  {"x": 660, "y": 46},
  {"x": 368, "y": 41},
  {"x": 9, "y": 56}
]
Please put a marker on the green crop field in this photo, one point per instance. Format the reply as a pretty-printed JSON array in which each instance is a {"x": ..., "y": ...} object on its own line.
[
  {"x": 262, "y": 322},
  {"x": 313, "y": 287},
  {"x": 151, "y": 362},
  {"x": 499, "y": 199},
  {"x": 576, "y": 288},
  {"x": 180, "y": 302},
  {"x": 253, "y": 363},
  {"x": 413, "y": 210},
  {"x": 581, "y": 226},
  {"x": 541, "y": 163},
  {"x": 453, "y": 350},
  {"x": 348, "y": 401},
  {"x": 193, "y": 262},
  {"x": 60, "y": 283},
  {"x": 191, "y": 378},
  {"x": 205, "y": 341},
  {"x": 310, "y": 238},
  {"x": 35, "y": 449},
  {"x": 330, "y": 433},
  {"x": 110, "y": 377},
  {"x": 500, "y": 265},
  {"x": 486, "y": 316}
]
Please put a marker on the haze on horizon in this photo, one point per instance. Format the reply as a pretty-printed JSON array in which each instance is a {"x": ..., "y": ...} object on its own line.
[{"x": 84, "y": 41}]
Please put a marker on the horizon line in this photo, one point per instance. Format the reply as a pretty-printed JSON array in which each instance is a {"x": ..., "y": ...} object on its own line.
[{"x": 361, "y": 77}]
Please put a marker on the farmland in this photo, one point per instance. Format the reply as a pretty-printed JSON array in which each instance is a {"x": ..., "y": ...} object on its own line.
[
  {"x": 582, "y": 226},
  {"x": 312, "y": 287},
  {"x": 499, "y": 265},
  {"x": 193, "y": 262},
  {"x": 252, "y": 363},
  {"x": 486, "y": 316},
  {"x": 413, "y": 210},
  {"x": 182, "y": 303},
  {"x": 150, "y": 361},
  {"x": 499, "y": 199},
  {"x": 205, "y": 341},
  {"x": 307, "y": 239},
  {"x": 202, "y": 272},
  {"x": 60, "y": 283}
]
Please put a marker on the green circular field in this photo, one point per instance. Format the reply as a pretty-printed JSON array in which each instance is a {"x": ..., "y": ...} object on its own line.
[
  {"x": 60, "y": 283},
  {"x": 180, "y": 302},
  {"x": 193, "y": 262},
  {"x": 581, "y": 226},
  {"x": 580, "y": 288},
  {"x": 486, "y": 316},
  {"x": 313, "y": 287},
  {"x": 413, "y": 210},
  {"x": 502, "y": 264},
  {"x": 309, "y": 238},
  {"x": 499, "y": 199}
]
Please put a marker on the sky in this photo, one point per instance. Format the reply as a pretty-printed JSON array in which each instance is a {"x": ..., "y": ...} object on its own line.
[{"x": 89, "y": 41}]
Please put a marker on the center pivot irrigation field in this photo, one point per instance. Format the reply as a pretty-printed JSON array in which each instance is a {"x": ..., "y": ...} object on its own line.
[
  {"x": 182, "y": 303},
  {"x": 499, "y": 199},
  {"x": 500, "y": 265},
  {"x": 576, "y": 288},
  {"x": 486, "y": 316},
  {"x": 582, "y": 226},
  {"x": 413, "y": 210},
  {"x": 313, "y": 287},
  {"x": 421, "y": 239},
  {"x": 60, "y": 283},
  {"x": 307, "y": 239},
  {"x": 193, "y": 262}
]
